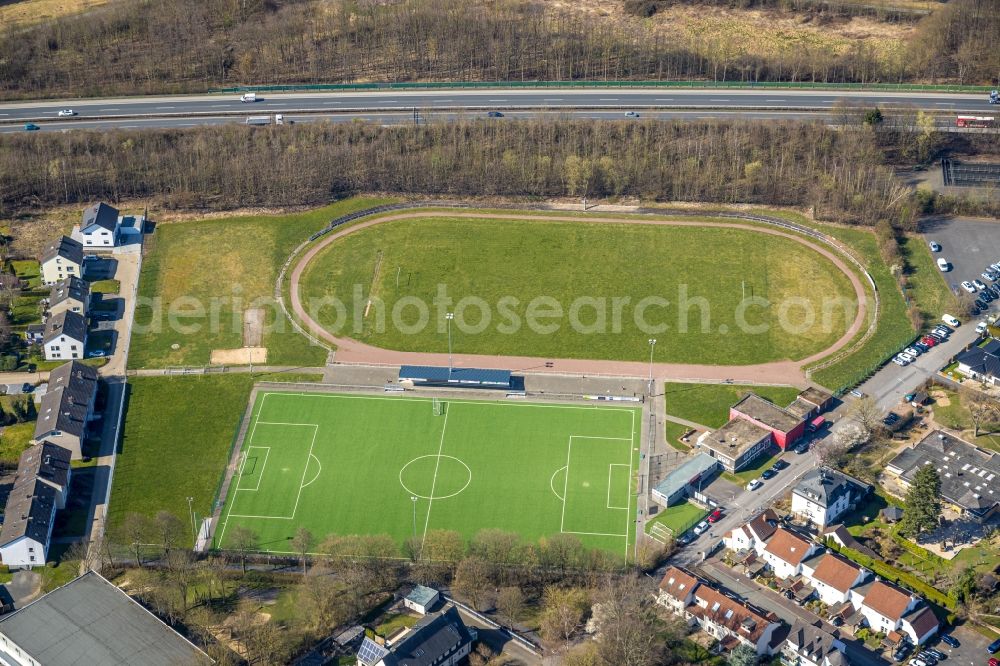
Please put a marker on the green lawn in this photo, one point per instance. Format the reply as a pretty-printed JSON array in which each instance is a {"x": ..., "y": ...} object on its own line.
[
  {"x": 573, "y": 272},
  {"x": 206, "y": 273},
  {"x": 679, "y": 518},
  {"x": 28, "y": 269},
  {"x": 105, "y": 287},
  {"x": 504, "y": 465},
  {"x": 956, "y": 416},
  {"x": 709, "y": 404},
  {"x": 394, "y": 622},
  {"x": 673, "y": 432},
  {"x": 178, "y": 432},
  {"x": 14, "y": 440},
  {"x": 927, "y": 286}
]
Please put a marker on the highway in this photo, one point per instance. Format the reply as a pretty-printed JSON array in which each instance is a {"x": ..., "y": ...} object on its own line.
[{"x": 397, "y": 106}]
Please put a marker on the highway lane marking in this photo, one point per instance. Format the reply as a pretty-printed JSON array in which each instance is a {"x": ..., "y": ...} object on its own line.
[
  {"x": 219, "y": 106},
  {"x": 498, "y": 100},
  {"x": 164, "y": 107},
  {"x": 774, "y": 100},
  {"x": 331, "y": 102},
  {"x": 944, "y": 104},
  {"x": 552, "y": 99},
  {"x": 608, "y": 99},
  {"x": 664, "y": 99},
  {"x": 128, "y": 126},
  {"x": 114, "y": 108}
]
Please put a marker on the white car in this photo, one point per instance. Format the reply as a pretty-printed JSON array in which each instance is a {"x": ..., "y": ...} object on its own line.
[
  {"x": 755, "y": 484},
  {"x": 992, "y": 277},
  {"x": 912, "y": 351},
  {"x": 951, "y": 321},
  {"x": 943, "y": 265},
  {"x": 981, "y": 327},
  {"x": 968, "y": 287},
  {"x": 979, "y": 285},
  {"x": 631, "y": 114},
  {"x": 909, "y": 357},
  {"x": 935, "y": 247},
  {"x": 67, "y": 112},
  {"x": 701, "y": 527},
  {"x": 900, "y": 361}
]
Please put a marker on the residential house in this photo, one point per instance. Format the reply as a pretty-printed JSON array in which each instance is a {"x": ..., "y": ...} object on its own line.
[
  {"x": 40, "y": 487},
  {"x": 421, "y": 599},
  {"x": 71, "y": 294},
  {"x": 91, "y": 621},
  {"x": 753, "y": 534},
  {"x": 100, "y": 225},
  {"x": 807, "y": 645},
  {"x": 439, "y": 639},
  {"x": 785, "y": 551},
  {"x": 834, "y": 577},
  {"x": 685, "y": 480},
  {"x": 65, "y": 336},
  {"x": 61, "y": 259},
  {"x": 970, "y": 476},
  {"x": 676, "y": 589},
  {"x": 785, "y": 426},
  {"x": 824, "y": 494},
  {"x": 839, "y": 535},
  {"x": 981, "y": 363},
  {"x": 67, "y": 407},
  {"x": 736, "y": 444},
  {"x": 887, "y": 608}
]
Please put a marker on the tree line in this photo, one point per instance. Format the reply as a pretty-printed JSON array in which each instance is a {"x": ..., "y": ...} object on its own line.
[
  {"x": 143, "y": 46},
  {"x": 840, "y": 174}
]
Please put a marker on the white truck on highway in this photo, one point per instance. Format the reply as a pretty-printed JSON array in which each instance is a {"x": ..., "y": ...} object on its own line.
[
  {"x": 277, "y": 118},
  {"x": 248, "y": 97}
]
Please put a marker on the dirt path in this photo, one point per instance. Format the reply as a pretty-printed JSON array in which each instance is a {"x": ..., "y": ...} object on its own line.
[{"x": 778, "y": 372}]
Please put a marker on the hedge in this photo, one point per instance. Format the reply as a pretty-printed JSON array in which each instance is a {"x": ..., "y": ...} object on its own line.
[{"x": 895, "y": 575}]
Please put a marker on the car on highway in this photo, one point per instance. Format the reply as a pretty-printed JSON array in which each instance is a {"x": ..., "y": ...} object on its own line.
[
  {"x": 66, "y": 112},
  {"x": 715, "y": 516},
  {"x": 755, "y": 484},
  {"x": 950, "y": 640},
  {"x": 248, "y": 97},
  {"x": 768, "y": 474},
  {"x": 31, "y": 127},
  {"x": 701, "y": 528},
  {"x": 631, "y": 114},
  {"x": 935, "y": 246},
  {"x": 494, "y": 114},
  {"x": 943, "y": 264},
  {"x": 966, "y": 285}
]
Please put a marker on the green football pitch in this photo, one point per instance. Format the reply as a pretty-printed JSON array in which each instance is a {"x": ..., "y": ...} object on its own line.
[{"x": 353, "y": 464}]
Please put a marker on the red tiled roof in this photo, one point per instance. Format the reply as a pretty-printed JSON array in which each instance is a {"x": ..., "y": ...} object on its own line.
[
  {"x": 887, "y": 600},
  {"x": 788, "y": 547},
  {"x": 720, "y": 609},
  {"x": 677, "y": 583},
  {"x": 763, "y": 525},
  {"x": 836, "y": 572},
  {"x": 922, "y": 621}
]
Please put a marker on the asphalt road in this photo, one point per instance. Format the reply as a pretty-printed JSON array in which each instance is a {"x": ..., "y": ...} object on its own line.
[{"x": 191, "y": 109}]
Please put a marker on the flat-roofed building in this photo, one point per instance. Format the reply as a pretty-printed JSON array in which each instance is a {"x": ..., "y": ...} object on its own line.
[{"x": 736, "y": 444}]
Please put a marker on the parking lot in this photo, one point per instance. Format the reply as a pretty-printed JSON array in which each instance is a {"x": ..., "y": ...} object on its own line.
[{"x": 968, "y": 244}]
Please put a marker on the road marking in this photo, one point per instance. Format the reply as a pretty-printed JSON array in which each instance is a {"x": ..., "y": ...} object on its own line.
[
  {"x": 498, "y": 100},
  {"x": 331, "y": 102},
  {"x": 186, "y": 125},
  {"x": 4, "y": 114},
  {"x": 774, "y": 100},
  {"x": 112, "y": 109},
  {"x": 219, "y": 106},
  {"x": 664, "y": 99},
  {"x": 608, "y": 99},
  {"x": 164, "y": 107},
  {"x": 944, "y": 104},
  {"x": 552, "y": 99},
  {"x": 715, "y": 99},
  {"x": 128, "y": 126}
]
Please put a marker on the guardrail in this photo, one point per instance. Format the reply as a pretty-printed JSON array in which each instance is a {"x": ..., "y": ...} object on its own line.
[{"x": 528, "y": 85}]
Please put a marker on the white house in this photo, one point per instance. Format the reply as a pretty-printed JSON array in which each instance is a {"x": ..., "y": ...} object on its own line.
[
  {"x": 676, "y": 590},
  {"x": 71, "y": 294},
  {"x": 65, "y": 336},
  {"x": 100, "y": 226},
  {"x": 834, "y": 577},
  {"x": 40, "y": 488},
  {"x": 785, "y": 551},
  {"x": 824, "y": 494},
  {"x": 753, "y": 534},
  {"x": 807, "y": 645},
  {"x": 421, "y": 599},
  {"x": 920, "y": 624},
  {"x": 61, "y": 259},
  {"x": 883, "y": 605},
  {"x": 67, "y": 407}
]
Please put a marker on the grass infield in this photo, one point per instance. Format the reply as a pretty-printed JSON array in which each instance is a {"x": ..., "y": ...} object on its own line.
[{"x": 351, "y": 464}]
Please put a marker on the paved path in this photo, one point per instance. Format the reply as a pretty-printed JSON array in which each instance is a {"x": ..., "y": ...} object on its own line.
[
  {"x": 257, "y": 369},
  {"x": 789, "y": 372},
  {"x": 685, "y": 422}
]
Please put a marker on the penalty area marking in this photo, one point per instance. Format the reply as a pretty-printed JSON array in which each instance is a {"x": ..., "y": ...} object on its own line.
[{"x": 552, "y": 483}]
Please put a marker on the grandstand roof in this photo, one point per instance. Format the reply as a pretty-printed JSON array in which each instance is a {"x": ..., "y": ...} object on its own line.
[{"x": 430, "y": 374}]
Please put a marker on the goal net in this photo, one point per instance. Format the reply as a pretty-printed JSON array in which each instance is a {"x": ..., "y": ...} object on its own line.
[{"x": 438, "y": 406}]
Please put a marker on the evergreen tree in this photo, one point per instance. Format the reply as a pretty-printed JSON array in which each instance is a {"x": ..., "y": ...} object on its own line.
[{"x": 923, "y": 502}]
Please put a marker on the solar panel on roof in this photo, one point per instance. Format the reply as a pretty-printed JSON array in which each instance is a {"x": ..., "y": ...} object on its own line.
[{"x": 371, "y": 652}]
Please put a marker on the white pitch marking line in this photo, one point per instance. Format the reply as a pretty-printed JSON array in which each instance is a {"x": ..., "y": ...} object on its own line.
[
  {"x": 318, "y": 472},
  {"x": 462, "y": 402},
  {"x": 260, "y": 475},
  {"x": 111, "y": 109},
  {"x": 628, "y": 489},
  {"x": 629, "y": 501},
  {"x": 616, "y": 439},
  {"x": 437, "y": 464},
  {"x": 246, "y": 441},
  {"x": 610, "y": 534},
  {"x": 569, "y": 450},
  {"x": 552, "y": 487},
  {"x": 243, "y": 515},
  {"x": 607, "y": 99},
  {"x": 305, "y": 468}
]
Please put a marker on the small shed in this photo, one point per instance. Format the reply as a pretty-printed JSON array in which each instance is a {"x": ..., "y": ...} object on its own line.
[
  {"x": 34, "y": 333},
  {"x": 892, "y": 514},
  {"x": 421, "y": 599}
]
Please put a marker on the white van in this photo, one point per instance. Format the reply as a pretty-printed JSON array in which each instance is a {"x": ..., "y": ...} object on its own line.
[
  {"x": 249, "y": 97},
  {"x": 943, "y": 265},
  {"x": 951, "y": 321}
]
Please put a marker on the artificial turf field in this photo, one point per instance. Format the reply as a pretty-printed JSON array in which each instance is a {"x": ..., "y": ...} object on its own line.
[{"x": 350, "y": 464}]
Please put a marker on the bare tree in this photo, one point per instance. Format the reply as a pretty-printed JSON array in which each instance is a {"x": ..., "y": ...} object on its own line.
[
  {"x": 134, "y": 531},
  {"x": 982, "y": 408},
  {"x": 244, "y": 541},
  {"x": 169, "y": 529},
  {"x": 473, "y": 581},
  {"x": 510, "y": 603},
  {"x": 866, "y": 413},
  {"x": 303, "y": 542},
  {"x": 562, "y": 612},
  {"x": 627, "y": 633},
  {"x": 319, "y": 601}
]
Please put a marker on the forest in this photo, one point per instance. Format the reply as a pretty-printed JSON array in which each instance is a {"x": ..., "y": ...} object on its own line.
[{"x": 144, "y": 46}]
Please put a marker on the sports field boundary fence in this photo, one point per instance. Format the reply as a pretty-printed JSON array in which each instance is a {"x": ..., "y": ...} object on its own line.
[{"x": 843, "y": 249}]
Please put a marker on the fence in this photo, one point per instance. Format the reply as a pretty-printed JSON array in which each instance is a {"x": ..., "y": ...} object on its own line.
[{"x": 961, "y": 174}]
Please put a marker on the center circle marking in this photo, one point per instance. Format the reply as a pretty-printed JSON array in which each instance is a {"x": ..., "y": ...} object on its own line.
[{"x": 443, "y": 457}]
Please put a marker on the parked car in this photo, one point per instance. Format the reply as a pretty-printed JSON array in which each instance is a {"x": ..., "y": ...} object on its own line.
[
  {"x": 951, "y": 321},
  {"x": 994, "y": 661},
  {"x": 494, "y": 114},
  {"x": 768, "y": 474},
  {"x": 685, "y": 538},
  {"x": 900, "y": 361},
  {"x": 950, "y": 640},
  {"x": 979, "y": 284},
  {"x": 918, "y": 662},
  {"x": 95, "y": 353},
  {"x": 31, "y": 127},
  {"x": 715, "y": 516},
  {"x": 857, "y": 393},
  {"x": 994, "y": 646},
  {"x": 943, "y": 265},
  {"x": 701, "y": 527},
  {"x": 935, "y": 247},
  {"x": 801, "y": 448},
  {"x": 66, "y": 112},
  {"x": 937, "y": 653},
  {"x": 755, "y": 484},
  {"x": 912, "y": 352},
  {"x": 966, "y": 285},
  {"x": 27, "y": 388},
  {"x": 779, "y": 465},
  {"x": 987, "y": 275}
]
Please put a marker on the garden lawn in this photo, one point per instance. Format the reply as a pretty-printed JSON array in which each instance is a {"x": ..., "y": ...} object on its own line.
[
  {"x": 14, "y": 440},
  {"x": 956, "y": 416},
  {"x": 178, "y": 433},
  {"x": 708, "y": 404},
  {"x": 579, "y": 268},
  {"x": 105, "y": 286},
  {"x": 679, "y": 518},
  {"x": 28, "y": 269},
  {"x": 209, "y": 272},
  {"x": 673, "y": 432},
  {"x": 744, "y": 476},
  {"x": 927, "y": 287}
]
